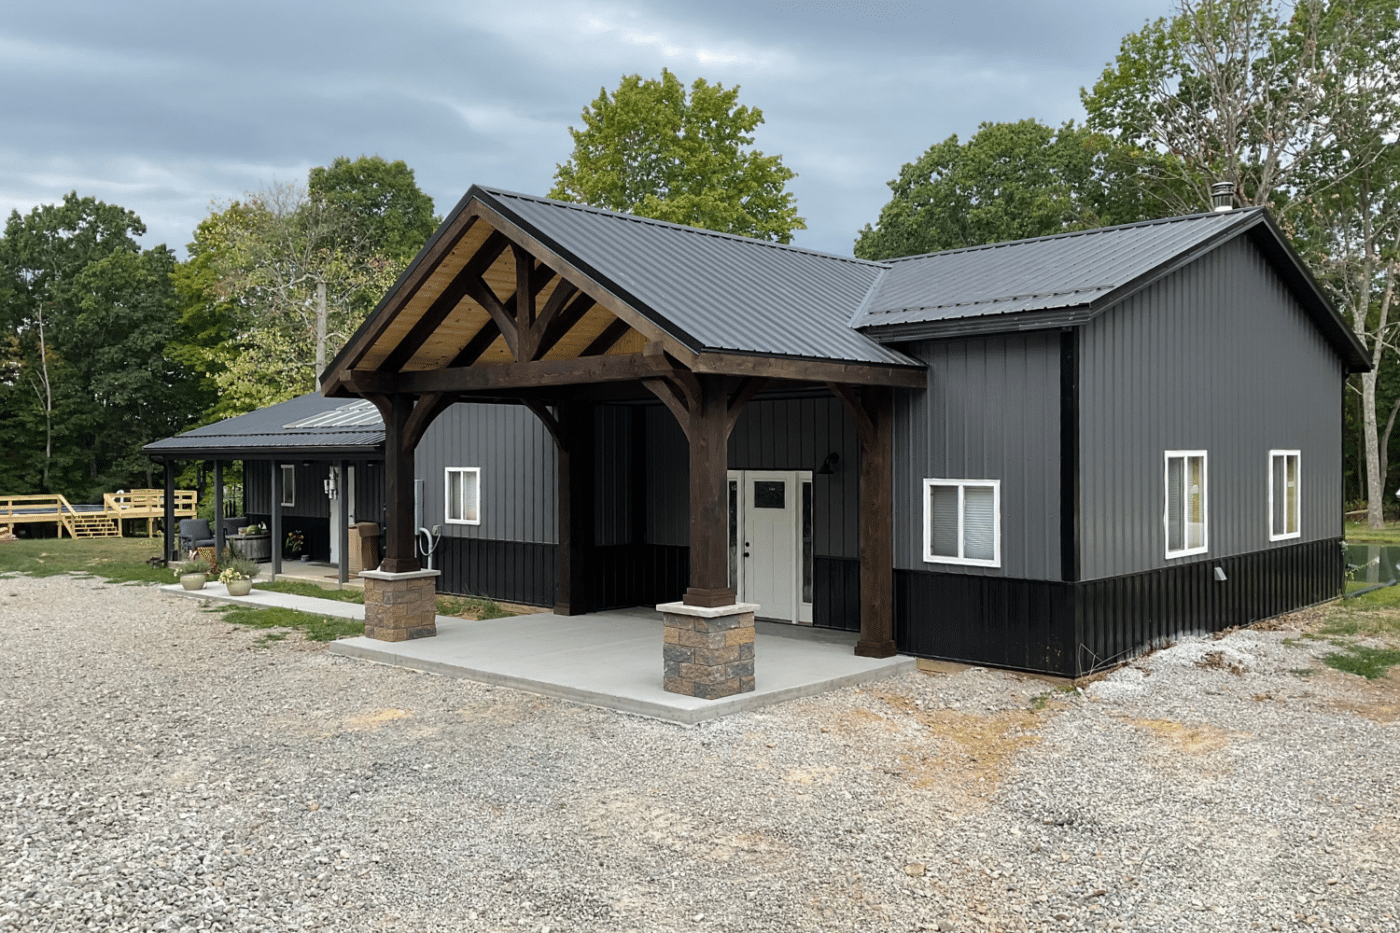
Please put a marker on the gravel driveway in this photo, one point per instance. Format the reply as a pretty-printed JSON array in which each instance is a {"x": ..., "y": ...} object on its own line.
[{"x": 164, "y": 770}]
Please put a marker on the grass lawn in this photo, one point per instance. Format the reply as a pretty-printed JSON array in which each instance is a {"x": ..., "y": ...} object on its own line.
[
  {"x": 117, "y": 560},
  {"x": 1358, "y": 533}
]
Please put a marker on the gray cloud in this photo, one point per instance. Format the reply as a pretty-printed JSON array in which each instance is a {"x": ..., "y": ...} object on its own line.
[{"x": 164, "y": 108}]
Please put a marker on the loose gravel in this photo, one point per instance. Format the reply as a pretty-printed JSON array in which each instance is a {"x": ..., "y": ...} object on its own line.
[{"x": 164, "y": 770}]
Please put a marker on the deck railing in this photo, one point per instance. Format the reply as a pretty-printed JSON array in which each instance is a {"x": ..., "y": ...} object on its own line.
[{"x": 54, "y": 507}]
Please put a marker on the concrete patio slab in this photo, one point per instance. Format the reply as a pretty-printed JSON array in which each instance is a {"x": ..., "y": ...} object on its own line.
[
  {"x": 613, "y": 660},
  {"x": 606, "y": 659}
]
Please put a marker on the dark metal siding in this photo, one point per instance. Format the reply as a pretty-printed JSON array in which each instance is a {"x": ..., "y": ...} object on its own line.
[
  {"x": 1071, "y": 629},
  {"x": 311, "y": 501},
  {"x": 515, "y": 571},
  {"x": 991, "y": 411},
  {"x": 369, "y": 493},
  {"x": 613, "y": 475},
  {"x": 519, "y": 470},
  {"x": 771, "y": 434},
  {"x": 1219, "y": 357}
]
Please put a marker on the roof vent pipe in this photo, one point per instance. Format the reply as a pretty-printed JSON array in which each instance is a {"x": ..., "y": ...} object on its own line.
[{"x": 1222, "y": 195}]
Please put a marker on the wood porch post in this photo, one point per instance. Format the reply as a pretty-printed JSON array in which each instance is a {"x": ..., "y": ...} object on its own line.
[
  {"x": 872, "y": 408},
  {"x": 709, "y": 503},
  {"x": 172, "y": 534},
  {"x": 275, "y": 539},
  {"x": 399, "y": 556},
  {"x": 218, "y": 509}
]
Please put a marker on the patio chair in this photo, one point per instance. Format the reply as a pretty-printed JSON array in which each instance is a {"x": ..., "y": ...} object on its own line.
[
  {"x": 231, "y": 525},
  {"x": 194, "y": 534}
]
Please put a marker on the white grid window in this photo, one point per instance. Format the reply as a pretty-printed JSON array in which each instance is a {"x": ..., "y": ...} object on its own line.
[
  {"x": 1185, "y": 515},
  {"x": 1283, "y": 494},
  {"x": 463, "y": 495},
  {"x": 962, "y": 522},
  {"x": 289, "y": 484}
]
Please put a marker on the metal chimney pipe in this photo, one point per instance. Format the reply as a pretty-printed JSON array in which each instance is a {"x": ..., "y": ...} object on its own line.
[{"x": 1222, "y": 195}]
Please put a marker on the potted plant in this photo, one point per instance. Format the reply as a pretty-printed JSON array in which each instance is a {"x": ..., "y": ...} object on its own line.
[
  {"x": 192, "y": 573},
  {"x": 295, "y": 542},
  {"x": 238, "y": 576}
]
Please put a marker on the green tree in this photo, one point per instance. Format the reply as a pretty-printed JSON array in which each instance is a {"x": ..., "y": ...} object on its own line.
[
  {"x": 87, "y": 318},
  {"x": 1008, "y": 182},
  {"x": 653, "y": 150},
  {"x": 388, "y": 212},
  {"x": 1297, "y": 106},
  {"x": 276, "y": 282}
]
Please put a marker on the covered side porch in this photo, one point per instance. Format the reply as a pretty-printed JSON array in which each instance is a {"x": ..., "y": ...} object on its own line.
[{"x": 498, "y": 310}]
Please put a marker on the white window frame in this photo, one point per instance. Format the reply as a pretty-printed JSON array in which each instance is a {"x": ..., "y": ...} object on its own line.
[
  {"x": 289, "y": 485},
  {"x": 962, "y": 485},
  {"x": 1297, "y": 456},
  {"x": 447, "y": 496},
  {"x": 1167, "y": 458}
]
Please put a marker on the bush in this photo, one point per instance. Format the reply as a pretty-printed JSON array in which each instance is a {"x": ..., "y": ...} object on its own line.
[{"x": 189, "y": 566}]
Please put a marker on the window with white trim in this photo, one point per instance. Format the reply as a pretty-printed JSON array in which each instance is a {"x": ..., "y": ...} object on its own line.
[
  {"x": 1185, "y": 515},
  {"x": 962, "y": 522},
  {"x": 289, "y": 484},
  {"x": 463, "y": 495},
  {"x": 1283, "y": 494}
]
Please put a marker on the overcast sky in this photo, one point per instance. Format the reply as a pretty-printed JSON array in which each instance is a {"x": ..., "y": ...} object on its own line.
[{"x": 163, "y": 107}]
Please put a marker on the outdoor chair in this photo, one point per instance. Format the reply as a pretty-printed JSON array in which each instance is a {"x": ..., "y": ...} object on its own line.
[
  {"x": 195, "y": 533},
  {"x": 231, "y": 525}
]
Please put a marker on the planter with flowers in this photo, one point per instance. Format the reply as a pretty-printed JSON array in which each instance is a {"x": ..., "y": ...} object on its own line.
[
  {"x": 238, "y": 576},
  {"x": 295, "y": 543},
  {"x": 191, "y": 573}
]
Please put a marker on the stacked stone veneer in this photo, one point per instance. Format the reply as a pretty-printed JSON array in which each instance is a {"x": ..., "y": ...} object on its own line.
[
  {"x": 400, "y": 606},
  {"x": 708, "y": 653}
]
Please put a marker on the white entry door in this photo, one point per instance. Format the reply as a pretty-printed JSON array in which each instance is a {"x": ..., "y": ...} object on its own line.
[
  {"x": 344, "y": 487},
  {"x": 771, "y": 542}
]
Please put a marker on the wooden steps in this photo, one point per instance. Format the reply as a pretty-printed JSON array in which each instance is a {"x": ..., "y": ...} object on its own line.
[{"x": 93, "y": 525}]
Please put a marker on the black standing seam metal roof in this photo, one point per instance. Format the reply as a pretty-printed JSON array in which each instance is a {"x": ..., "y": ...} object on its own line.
[
  {"x": 712, "y": 291},
  {"x": 1067, "y": 278},
  {"x": 271, "y": 430}
]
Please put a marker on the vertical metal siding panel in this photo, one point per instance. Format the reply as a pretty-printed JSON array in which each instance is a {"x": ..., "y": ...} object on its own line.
[
  {"x": 991, "y": 411},
  {"x": 257, "y": 485},
  {"x": 1216, "y": 356}
]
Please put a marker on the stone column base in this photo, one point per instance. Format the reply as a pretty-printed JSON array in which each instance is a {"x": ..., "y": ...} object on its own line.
[
  {"x": 400, "y": 606},
  {"x": 708, "y": 651}
]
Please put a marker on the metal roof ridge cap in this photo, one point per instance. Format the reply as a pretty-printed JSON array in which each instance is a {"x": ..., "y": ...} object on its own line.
[
  {"x": 864, "y": 307},
  {"x": 1246, "y": 220},
  {"x": 683, "y": 228},
  {"x": 1001, "y": 298},
  {"x": 1067, "y": 234}
]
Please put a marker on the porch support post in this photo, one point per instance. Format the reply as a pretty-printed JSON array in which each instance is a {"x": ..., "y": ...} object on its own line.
[
  {"x": 343, "y": 503},
  {"x": 709, "y": 502},
  {"x": 275, "y": 538},
  {"x": 872, "y": 408},
  {"x": 218, "y": 509},
  {"x": 172, "y": 533},
  {"x": 400, "y": 597}
]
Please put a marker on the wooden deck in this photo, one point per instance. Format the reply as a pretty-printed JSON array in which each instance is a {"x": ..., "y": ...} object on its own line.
[{"x": 95, "y": 521}]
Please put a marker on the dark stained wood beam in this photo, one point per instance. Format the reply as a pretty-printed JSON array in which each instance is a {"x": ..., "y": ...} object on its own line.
[
  {"x": 424, "y": 413},
  {"x": 671, "y": 397},
  {"x": 477, "y": 345},
  {"x": 399, "y": 556},
  {"x": 551, "y": 424},
  {"x": 663, "y": 364},
  {"x": 504, "y": 318},
  {"x": 808, "y": 370},
  {"x": 872, "y": 409},
  {"x": 563, "y": 322},
  {"x": 607, "y": 339},
  {"x": 536, "y": 374},
  {"x": 561, "y": 296},
  {"x": 442, "y": 306},
  {"x": 374, "y": 327},
  {"x": 748, "y": 388}
]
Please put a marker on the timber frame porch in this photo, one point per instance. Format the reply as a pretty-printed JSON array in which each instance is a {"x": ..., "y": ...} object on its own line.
[{"x": 495, "y": 310}]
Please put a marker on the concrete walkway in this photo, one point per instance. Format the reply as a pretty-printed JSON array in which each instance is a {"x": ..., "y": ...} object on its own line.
[{"x": 607, "y": 659}]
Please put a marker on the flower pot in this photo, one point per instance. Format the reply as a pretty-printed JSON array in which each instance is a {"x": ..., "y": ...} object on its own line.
[
  {"x": 240, "y": 587},
  {"x": 192, "y": 581},
  {"x": 306, "y": 558}
]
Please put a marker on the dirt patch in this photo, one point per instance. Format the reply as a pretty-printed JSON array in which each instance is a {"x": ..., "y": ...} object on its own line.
[
  {"x": 970, "y": 754},
  {"x": 374, "y": 719},
  {"x": 1378, "y": 700},
  {"x": 1194, "y": 740},
  {"x": 1217, "y": 661}
]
